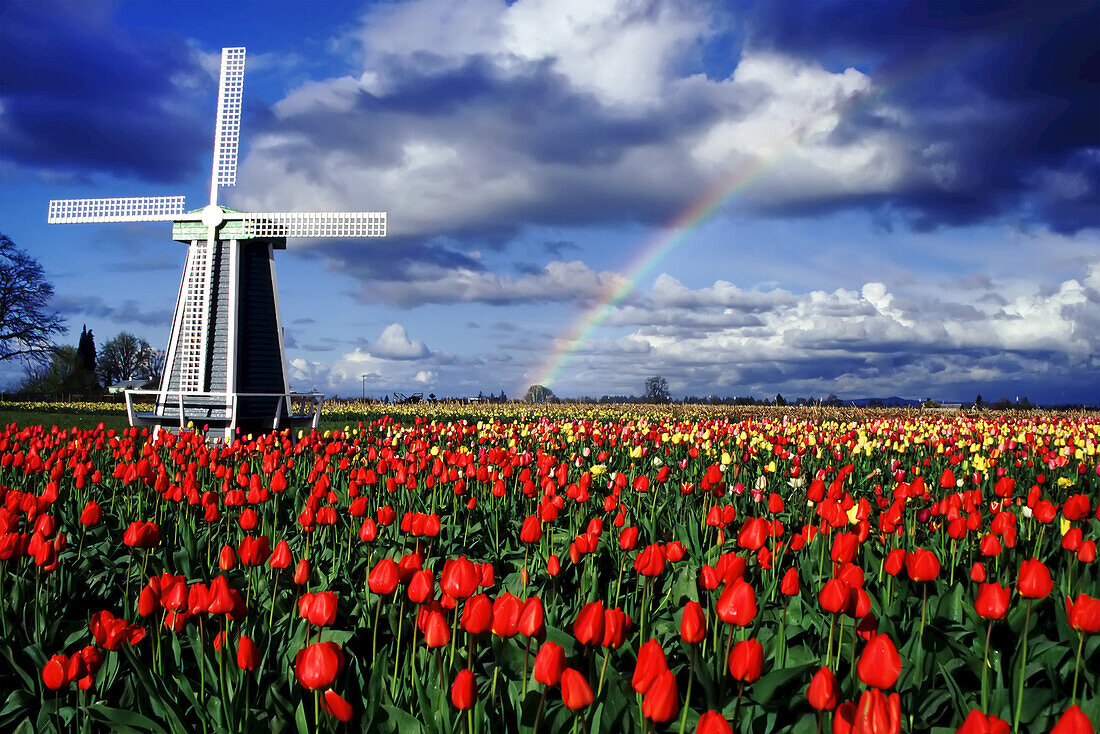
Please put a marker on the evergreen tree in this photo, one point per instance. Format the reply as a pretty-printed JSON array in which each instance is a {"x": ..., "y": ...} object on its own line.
[{"x": 85, "y": 350}]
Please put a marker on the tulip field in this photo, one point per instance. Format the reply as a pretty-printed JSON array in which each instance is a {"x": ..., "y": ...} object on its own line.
[{"x": 575, "y": 570}]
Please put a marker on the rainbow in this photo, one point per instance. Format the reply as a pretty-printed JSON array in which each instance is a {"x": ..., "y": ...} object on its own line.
[
  {"x": 670, "y": 236},
  {"x": 676, "y": 232}
]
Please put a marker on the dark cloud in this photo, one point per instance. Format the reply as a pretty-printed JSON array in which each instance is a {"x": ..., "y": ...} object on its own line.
[
  {"x": 393, "y": 259},
  {"x": 1008, "y": 90},
  {"x": 82, "y": 96},
  {"x": 557, "y": 247},
  {"x": 126, "y": 312}
]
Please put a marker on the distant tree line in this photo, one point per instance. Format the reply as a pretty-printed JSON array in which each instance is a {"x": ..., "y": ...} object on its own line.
[{"x": 82, "y": 371}]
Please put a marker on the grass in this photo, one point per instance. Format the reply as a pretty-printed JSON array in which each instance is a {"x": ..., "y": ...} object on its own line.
[{"x": 63, "y": 419}]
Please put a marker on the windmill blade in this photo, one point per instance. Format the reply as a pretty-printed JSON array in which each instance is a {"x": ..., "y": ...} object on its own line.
[
  {"x": 315, "y": 224},
  {"x": 134, "y": 209},
  {"x": 227, "y": 131}
]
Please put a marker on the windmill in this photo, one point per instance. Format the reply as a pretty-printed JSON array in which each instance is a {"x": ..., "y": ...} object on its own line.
[{"x": 226, "y": 363}]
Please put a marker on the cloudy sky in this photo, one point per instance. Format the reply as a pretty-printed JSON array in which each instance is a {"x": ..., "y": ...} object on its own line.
[{"x": 859, "y": 198}]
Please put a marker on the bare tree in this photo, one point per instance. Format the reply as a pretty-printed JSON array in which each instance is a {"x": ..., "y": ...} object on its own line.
[
  {"x": 154, "y": 364},
  {"x": 126, "y": 357},
  {"x": 656, "y": 389},
  {"x": 538, "y": 394},
  {"x": 27, "y": 325}
]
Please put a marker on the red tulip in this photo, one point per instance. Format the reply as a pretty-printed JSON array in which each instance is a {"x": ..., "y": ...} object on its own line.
[
  {"x": 281, "y": 557},
  {"x": 845, "y": 547},
  {"x": 879, "y": 665},
  {"x": 895, "y": 561},
  {"x": 1033, "y": 581},
  {"x": 834, "y": 596},
  {"x": 368, "y": 531},
  {"x": 1084, "y": 613},
  {"x": 693, "y": 623},
  {"x": 989, "y": 545},
  {"x": 92, "y": 514},
  {"x": 922, "y": 565},
  {"x": 651, "y": 663},
  {"x": 248, "y": 656},
  {"x": 437, "y": 633},
  {"x": 316, "y": 666},
  {"x": 460, "y": 578},
  {"x": 336, "y": 706},
  {"x": 531, "y": 618},
  {"x": 464, "y": 690},
  {"x": 221, "y": 599},
  {"x": 301, "y": 572},
  {"x": 421, "y": 586},
  {"x": 553, "y": 566},
  {"x": 746, "y": 660},
  {"x": 789, "y": 585},
  {"x": 662, "y": 699},
  {"x": 549, "y": 664},
  {"x": 531, "y": 531},
  {"x": 141, "y": 535},
  {"x": 319, "y": 609},
  {"x": 506, "y": 612},
  {"x": 148, "y": 600},
  {"x": 575, "y": 691},
  {"x": 992, "y": 601},
  {"x": 978, "y": 723},
  {"x": 844, "y": 718},
  {"x": 651, "y": 561},
  {"x": 628, "y": 538},
  {"x": 1073, "y": 721},
  {"x": 383, "y": 578},
  {"x": 477, "y": 615},
  {"x": 55, "y": 672},
  {"x": 823, "y": 690},
  {"x": 737, "y": 604},
  {"x": 674, "y": 551},
  {"x": 713, "y": 722},
  {"x": 877, "y": 713},
  {"x": 588, "y": 627},
  {"x": 754, "y": 533},
  {"x": 615, "y": 625},
  {"x": 1086, "y": 552}
]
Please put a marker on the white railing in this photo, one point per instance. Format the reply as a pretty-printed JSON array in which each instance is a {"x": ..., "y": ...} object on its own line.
[{"x": 310, "y": 403}]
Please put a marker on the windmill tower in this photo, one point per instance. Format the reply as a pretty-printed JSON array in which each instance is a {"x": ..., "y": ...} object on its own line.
[{"x": 226, "y": 363}]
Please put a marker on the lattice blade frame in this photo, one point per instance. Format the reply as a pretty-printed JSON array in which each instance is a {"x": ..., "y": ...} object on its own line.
[
  {"x": 227, "y": 131},
  {"x": 134, "y": 209},
  {"x": 315, "y": 224}
]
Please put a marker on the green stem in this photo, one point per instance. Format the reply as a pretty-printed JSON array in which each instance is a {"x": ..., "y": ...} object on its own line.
[
  {"x": 1023, "y": 671},
  {"x": 985, "y": 668},
  {"x": 1077, "y": 666},
  {"x": 687, "y": 696}
]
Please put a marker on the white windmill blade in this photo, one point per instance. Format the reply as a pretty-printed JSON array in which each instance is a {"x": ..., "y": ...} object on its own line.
[
  {"x": 227, "y": 131},
  {"x": 315, "y": 224},
  {"x": 133, "y": 209}
]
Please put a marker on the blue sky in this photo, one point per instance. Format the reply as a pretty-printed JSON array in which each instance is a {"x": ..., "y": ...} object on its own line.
[{"x": 911, "y": 192}]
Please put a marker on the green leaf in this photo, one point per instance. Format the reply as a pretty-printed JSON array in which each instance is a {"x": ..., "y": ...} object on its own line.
[
  {"x": 770, "y": 684},
  {"x": 123, "y": 721},
  {"x": 399, "y": 722}
]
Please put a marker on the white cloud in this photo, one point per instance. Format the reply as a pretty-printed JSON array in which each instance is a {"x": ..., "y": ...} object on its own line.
[
  {"x": 394, "y": 343},
  {"x": 488, "y": 116},
  {"x": 558, "y": 281},
  {"x": 857, "y": 343}
]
